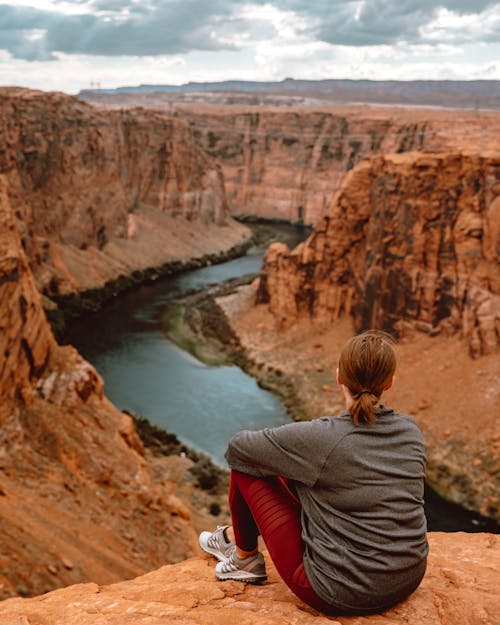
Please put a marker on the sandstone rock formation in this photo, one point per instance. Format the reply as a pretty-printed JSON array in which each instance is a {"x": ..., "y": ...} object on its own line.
[
  {"x": 78, "y": 499},
  {"x": 98, "y": 195},
  {"x": 460, "y": 586},
  {"x": 288, "y": 163},
  {"x": 411, "y": 241}
]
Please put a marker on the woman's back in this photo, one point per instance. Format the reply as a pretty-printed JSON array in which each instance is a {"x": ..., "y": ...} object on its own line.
[{"x": 363, "y": 518}]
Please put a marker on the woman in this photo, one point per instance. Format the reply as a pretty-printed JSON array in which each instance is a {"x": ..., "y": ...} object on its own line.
[{"x": 338, "y": 500}]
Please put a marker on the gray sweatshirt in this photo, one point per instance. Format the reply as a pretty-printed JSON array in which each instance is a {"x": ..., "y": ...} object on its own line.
[{"x": 361, "y": 490}]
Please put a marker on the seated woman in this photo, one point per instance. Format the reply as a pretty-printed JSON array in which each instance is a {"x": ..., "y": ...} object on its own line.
[{"x": 337, "y": 500}]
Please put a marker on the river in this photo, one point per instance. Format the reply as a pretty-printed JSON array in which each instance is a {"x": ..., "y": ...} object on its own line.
[{"x": 146, "y": 374}]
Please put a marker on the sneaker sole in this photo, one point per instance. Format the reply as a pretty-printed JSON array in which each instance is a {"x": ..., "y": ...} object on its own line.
[{"x": 241, "y": 576}]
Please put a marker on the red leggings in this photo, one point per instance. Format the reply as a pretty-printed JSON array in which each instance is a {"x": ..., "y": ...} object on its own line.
[{"x": 267, "y": 506}]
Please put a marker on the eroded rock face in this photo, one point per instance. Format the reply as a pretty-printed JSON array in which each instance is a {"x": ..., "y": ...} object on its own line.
[
  {"x": 411, "y": 241},
  {"x": 100, "y": 194},
  {"x": 26, "y": 342},
  {"x": 460, "y": 586},
  {"x": 78, "y": 500},
  {"x": 290, "y": 164}
]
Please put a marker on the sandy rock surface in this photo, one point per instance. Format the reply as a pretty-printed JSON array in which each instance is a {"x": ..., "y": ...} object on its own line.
[{"x": 461, "y": 586}]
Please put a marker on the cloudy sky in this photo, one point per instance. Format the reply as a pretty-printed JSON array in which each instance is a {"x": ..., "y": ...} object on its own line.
[{"x": 70, "y": 45}]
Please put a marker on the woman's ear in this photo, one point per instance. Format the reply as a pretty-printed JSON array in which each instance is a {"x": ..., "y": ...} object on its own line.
[
  {"x": 339, "y": 379},
  {"x": 390, "y": 383}
]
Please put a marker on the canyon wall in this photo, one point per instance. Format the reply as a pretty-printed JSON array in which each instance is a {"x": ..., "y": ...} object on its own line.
[
  {"x": 101, "y": 194},
  {"x": 285, "y": 161},
  {"x": 411, "y": 241},
  {"x": 460, "y": 586},
  {"x": 288, "y": 165},
  {"x": 78, "y": 499}
]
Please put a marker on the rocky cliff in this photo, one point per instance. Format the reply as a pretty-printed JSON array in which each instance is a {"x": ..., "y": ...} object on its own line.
[
  {"x": 290, "y": 164},
  {"x": 101, "y": 194},
  {"x": 411, "y": 241},
  {"x": 78, "y": 498},
  {"x": 460, "y": 586},
  {"x": 287, "y": 162}
]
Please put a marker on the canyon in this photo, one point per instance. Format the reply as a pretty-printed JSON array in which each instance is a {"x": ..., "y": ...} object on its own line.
[
  {"x": 101, "y": 195},
  {"x": 93, "y": 201},
  {"x": 80, "y": 497},
  {"x": 410, "y": 245},
  {"x": 289, "y": 165},
  {"x": 288, "y": 162}
]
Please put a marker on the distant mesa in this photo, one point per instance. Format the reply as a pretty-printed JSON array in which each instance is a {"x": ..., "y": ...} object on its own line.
[{"x": 483, "y": 94}]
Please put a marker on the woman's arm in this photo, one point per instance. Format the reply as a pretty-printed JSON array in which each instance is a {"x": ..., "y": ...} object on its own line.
[{"x": 296, "y": 450}]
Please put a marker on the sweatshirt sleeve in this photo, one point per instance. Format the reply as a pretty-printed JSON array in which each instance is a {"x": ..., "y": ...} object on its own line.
[{"x": 296, "y": 451}]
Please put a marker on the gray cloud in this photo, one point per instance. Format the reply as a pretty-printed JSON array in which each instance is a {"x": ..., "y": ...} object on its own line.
[
  {"x": 17, "y": 28},
  {"x": 157, "y": 27},
  {"x": 167, "y": 28},
  {"x": 378, "y": 22}
]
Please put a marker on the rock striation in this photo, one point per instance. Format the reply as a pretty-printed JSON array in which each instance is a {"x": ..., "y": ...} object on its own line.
[
  {"x": 79, "y": 499},
  {"x": 410, "y": 242},
  {"x": 98, "y": 195},
  {"x": 286, "y": 161},
  {"x": 289, "y": 164},
  {"x": 26, "y": 342},
  {"x": 460, "y": 586}
]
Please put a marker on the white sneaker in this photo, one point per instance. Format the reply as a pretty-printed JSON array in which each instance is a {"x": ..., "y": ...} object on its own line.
[
  {"x": 251, "y": 569},
  {"x": 216, "y": 543}
]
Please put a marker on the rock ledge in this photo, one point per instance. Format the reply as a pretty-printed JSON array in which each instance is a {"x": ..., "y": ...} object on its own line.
[{"x": 461, "y": 586}]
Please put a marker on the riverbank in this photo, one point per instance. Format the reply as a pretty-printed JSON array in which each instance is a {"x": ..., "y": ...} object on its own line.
[
  {"x": 296, "y": 364},
  {"x": 201, "y": 484},
  {"x": 62, "y": 309},
  {"x": 65, "y": 308},
  {"x": 199, "y": 324}
]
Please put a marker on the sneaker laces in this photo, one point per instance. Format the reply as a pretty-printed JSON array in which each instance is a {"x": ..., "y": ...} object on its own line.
[
  {"x": 217, "y": 539},
  {"x": 230, "y": 564}
]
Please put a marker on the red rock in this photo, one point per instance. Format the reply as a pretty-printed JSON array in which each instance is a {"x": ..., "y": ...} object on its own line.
[
  {"x": 460, "y": 586},
  {"x": 290, "y": 164},
  {"x": 68, "y": 456},
  {"x": 417, "y": 256},
  {"x": 26, "y": 342},
  {"x": 101, "y": 194}
]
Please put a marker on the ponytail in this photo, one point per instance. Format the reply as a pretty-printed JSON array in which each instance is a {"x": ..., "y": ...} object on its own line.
[
  {"x": 366, "y": 367},
  {"x": 363, "y": 407}
]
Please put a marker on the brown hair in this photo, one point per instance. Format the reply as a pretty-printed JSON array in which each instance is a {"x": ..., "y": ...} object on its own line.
[{"x": 366, "y": 367}]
